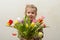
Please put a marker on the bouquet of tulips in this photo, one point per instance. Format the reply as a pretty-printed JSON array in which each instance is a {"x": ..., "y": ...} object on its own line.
[{"x": 28, "y": 29}]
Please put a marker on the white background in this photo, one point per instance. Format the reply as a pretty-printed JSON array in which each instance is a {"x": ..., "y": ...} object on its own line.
[{"x": 11, "y": 9}]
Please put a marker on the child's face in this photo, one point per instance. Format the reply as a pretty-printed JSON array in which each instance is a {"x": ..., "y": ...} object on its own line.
[{"x": 31, "y": 13}]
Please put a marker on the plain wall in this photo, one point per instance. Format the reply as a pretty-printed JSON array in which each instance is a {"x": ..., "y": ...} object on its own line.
[{"x": 11, "y": 9}]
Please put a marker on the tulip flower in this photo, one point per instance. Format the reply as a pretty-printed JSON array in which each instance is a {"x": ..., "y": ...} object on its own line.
[
  {"x": 32, "y": 24},
  {"x": 26, "y": 25},
  {"x": 9, "y": 22},
  {"x": 19, "y": 20},
  {"x": 27, "y": 28},
  {"x": 22, "y": 21},
  {"x": 40, "y": 34},
  {"x": 16, "y": 21},
  {"x": 34, "y": 20},
  {"x": 40, "y": 20}
]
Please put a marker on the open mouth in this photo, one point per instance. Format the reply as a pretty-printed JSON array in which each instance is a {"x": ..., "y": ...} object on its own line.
[{"x": 31, "y": 17}]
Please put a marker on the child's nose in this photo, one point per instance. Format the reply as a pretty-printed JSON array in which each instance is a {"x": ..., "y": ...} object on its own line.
[{"x": 30, "y": 14}]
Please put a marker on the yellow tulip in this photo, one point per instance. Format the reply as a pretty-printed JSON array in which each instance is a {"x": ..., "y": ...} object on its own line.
[
  {"x": 40, "y": 34},
  {"x": 32, "y": 24},
  {"x": 26, "y": 25},
  {"x": 16, "y": 21}
]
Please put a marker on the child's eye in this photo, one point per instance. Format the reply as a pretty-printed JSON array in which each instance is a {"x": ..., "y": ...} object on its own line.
[
  {"x": 32, "y": 12},
  {"x": 28, "y": 12}
]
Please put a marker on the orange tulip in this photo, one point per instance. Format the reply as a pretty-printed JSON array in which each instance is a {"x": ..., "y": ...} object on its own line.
[{"x": 40, "y": 20}]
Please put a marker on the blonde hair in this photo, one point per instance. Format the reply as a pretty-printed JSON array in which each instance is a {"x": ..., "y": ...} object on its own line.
[{"x": 30, "y": 6}]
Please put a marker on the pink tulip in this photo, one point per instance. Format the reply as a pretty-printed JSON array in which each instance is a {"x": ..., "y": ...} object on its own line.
[{"x": 34, "y": 20}]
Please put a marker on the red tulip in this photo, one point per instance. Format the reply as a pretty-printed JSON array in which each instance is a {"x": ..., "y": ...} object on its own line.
[{"x": 10, "y": 21}]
